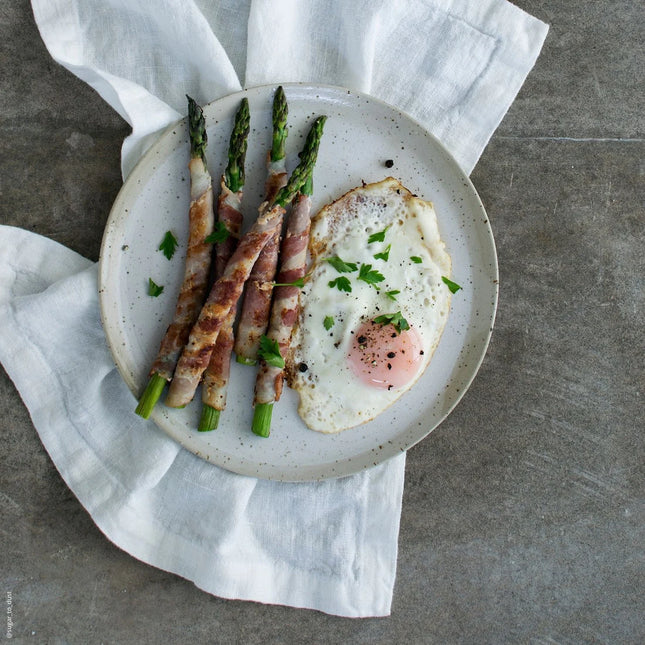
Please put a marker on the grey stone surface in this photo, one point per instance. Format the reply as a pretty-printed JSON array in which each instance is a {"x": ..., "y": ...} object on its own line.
[{"x": 523, "y": 513}]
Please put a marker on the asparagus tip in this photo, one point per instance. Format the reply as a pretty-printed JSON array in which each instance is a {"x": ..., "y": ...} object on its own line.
[
  {"x": 150, "y": 395},
  {"x": 261, "y": 424}
]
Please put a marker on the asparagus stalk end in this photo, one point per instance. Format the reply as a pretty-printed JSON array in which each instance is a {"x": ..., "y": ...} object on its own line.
[
  {"x": 209, "y": 419},
  {"x": 261, "y": 424},
  {"x": 150, "y": 395}
]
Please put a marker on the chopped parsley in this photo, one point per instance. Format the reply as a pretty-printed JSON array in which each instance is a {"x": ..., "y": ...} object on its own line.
[
  {"x": 269, "y": 352},
  {"x": 168, "y": 244},
  {"x": 341, "y": 283},
  {"x": 220, "y": 234},
  {"x": 371, "y": 276},
  {"x": 377, "y": 237},
  {"x": 341, "y": 266},
  {"x": 154, "y": 289},
  {"x": 383, "y": 255},
  {"x": 416, "y": 259},
  {"x": 328, "y": 322},
  {"x": 453, "y": 286},
  {"x": 396, "y": 320},
  {"x": 392, "y": 294},
  {"x": 299, "y": 282}
]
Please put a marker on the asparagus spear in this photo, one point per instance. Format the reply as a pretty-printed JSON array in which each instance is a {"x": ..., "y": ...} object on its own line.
[
  {"x": 197, "y": 264},
  {"x": 234, "y": 173},
  {"x": 301, "y": 172},
  {"x": 227, "y": 289},
  {"x": 280, "y": 132},
  {"x": 256, "y": 305},
  {"x": 217, "y": 372},
  {"x": 269, "y": 379}
]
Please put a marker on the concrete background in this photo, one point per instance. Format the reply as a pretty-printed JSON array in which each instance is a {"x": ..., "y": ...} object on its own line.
[{"x": 523, "y": 514}]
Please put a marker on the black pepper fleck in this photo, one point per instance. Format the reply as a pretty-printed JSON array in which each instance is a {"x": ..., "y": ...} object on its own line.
[
  {"x": 303, "y": 367},
  {"x": 389, "y": 163},
  {"x": 391, "y": 354}
]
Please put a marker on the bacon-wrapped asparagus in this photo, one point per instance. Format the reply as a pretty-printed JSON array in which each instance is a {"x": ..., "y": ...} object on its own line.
[
  {"x": 230, "y": 219},
  {"x": 197, "y": 267},
  {"x": 284, "y": 309},
  {"x": 256, "y": 304},
  {"x": 227, "y": 289}
]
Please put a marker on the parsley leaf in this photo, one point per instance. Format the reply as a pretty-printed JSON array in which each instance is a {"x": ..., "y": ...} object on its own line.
[
  {"x": 392, "y": 294},
  {"x": 269, "y": 352},
  {"x": 384, "y": 255},
  {"x": 341, "y": 266},
  {"x": 298, "y": 282},
  {"x": 168, "y": 244},
  {"x": 154, "y": 289},
  {"x": 377, "y": 237},
  {"x": 328, "y": 322},
  {"x": 416, "y": 259},
  {"x": 341, "y": 283},
  {"x": 369, "y": 275},
  {"x": 220, "y": 234},
  {"x": 453, "y": 286},
  {"x": 395, "y": 319}
]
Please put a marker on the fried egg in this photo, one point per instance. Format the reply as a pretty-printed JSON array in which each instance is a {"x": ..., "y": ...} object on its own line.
[{"x": 373, "y": 307}]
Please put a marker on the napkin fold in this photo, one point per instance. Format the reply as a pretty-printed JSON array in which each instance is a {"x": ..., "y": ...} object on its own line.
[{"x": 454, "y": 65}]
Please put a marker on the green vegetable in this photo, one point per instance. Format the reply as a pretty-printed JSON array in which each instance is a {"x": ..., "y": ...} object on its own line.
[
  {"x": 234, "y": 173},
  {"x": 150, "y": 395},
  {"x": 305, "y": 168},
  {"x": 416, "y": 259},
  {"x": 341, "y": 283},
  {"x": 392, "y": 294},
  {"x": 377, "y": 237},
  {"x": 453, "y": 286},
  {"x": 384, "y": 255},
  {"x": 196, "y": 131},
  {"x": 371, "y": 276},
  {"x": 220, "y": 234},
  {"x": 261, "y": 424},
  {"x": 341, "y": 266},
  {"x": 209, "y": 419},
  {"x": 154, "y": 289},
  {"x": 396, "y": 319},
  {"x": 168, "y": 244},
  {"x": 280, "y": 132},
  {"x": 328, "y": 322},
  {"x": 299, "y": 282},
  {"x": 269, "y": 352}
]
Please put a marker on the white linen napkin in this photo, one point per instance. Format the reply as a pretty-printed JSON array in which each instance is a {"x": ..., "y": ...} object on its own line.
[{"x": 454, "y": 65}]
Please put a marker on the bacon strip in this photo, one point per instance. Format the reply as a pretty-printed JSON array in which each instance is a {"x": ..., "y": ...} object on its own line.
[
  {"x": 284, "y": 311},
  {"x": 216, "y": 376},
  {"x": 256, "y": 306},
  {"x": 197, "y": 267},
  {"x": 223, "y": 297}
]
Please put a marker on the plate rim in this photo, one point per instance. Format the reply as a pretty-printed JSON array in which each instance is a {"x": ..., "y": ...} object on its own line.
[{"x": 358, "y": 462}]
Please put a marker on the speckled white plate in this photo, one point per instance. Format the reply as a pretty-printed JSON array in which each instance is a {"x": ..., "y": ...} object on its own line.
[{"x": 361, "y": 133}]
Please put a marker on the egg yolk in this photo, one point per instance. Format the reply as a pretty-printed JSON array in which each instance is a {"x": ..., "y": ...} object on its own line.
[{"x": 382, "y": 357}]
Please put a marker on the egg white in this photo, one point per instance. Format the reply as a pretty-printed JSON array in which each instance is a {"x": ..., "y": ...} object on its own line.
[{"x": 331, "y": 397}]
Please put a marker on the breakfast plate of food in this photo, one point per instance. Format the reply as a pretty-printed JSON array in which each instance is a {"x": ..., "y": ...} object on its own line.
[{"x": 379, "y": 309}]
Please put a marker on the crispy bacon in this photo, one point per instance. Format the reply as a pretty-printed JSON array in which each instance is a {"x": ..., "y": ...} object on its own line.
[
  {"x": 223, "y": 297},
  {"x": 284, "y": 311},
  {"x": 216, "y": 376},
  {"x": 195, "y": 281},
  {"x": 256, "y": 306}
]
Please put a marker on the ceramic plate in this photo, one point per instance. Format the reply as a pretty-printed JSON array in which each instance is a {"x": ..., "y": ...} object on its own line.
[{"x": 361, "y": 133}]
